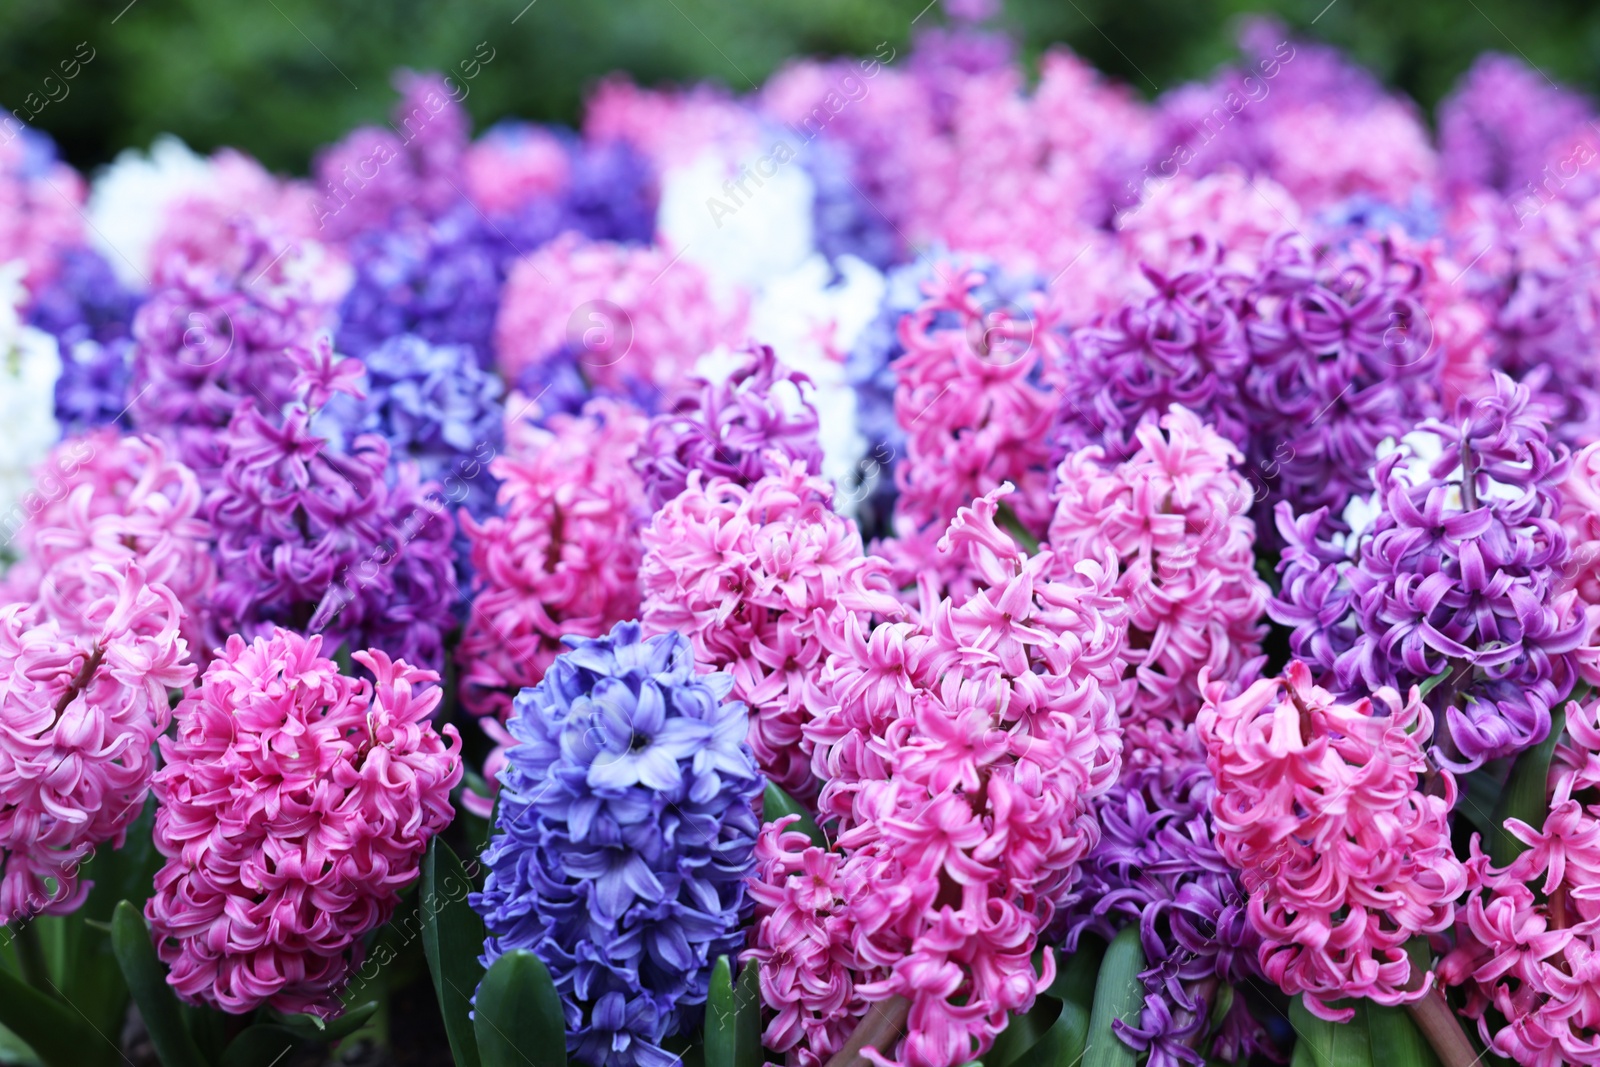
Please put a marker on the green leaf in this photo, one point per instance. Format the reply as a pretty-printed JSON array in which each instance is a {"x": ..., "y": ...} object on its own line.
[
  {"x": 90, "y": 978},
  {"x": 733, "y": 1017},
  {"x": 747, "y": 1003},
  {"x": 775, "y": 804},
  {"x": 1395, "y": 1039},
  {"x": 147, "y": 982},
  {"x": 1069, "y": 998},
  {"x": 265, "y": 1044},
  {"x": 312, "y": 1028},
  {"x": 57, "y": 1034},
  {"x": 518, "y": 1021},
  {"x": 1118, "y": 994},
  {"x": 1432, "y": 683},
  {"x": 1525, "y": 794},
  {"x": 1333, "y": 1044},
  {"x": 452, "y": 937}
]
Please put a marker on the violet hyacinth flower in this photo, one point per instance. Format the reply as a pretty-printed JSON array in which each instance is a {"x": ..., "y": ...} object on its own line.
[
  {"x": 1342, "y": 357},
  {"x": 436, "y": 407},
  {"x": 213, "y": 340},
  {"x": 439, "y": 279},
  {"x": 751, "y": 425},
  {"x": 1504, "y": 123},
  {"x": 1181, "y": 341},
  {"x": 1157, "y": 865},
  {"x": 625, "y": 833},
  {"x": 319, "y": 540},
  {"x": 90, "y": 314},
  {"x": 1457, "y": 576}
]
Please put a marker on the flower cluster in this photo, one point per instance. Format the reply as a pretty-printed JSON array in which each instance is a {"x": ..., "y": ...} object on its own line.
[
  {"x": 970, "y": 399},
  {"x": 295, "y": 805},
  {"x": 84, "y": 699},
  {"x": 960, "y": 759},
  {"x": 1452, "y": 572},
  {"x": 1174, "y": 516},
  {"x": 735, "y": 429},
  {"x": 318, "y": 541},
  {"x": 561, "y": 559},
  {"x": 435, "y": 407},
  {"x": 116, "y": 500},
  {"x": 1526, "y": 936},
  {"x": 632, "y": 320},
  {"x": 1319, "y": 805},
  {"x": 625, "y": 833},
  {"x": 752, "y": 576},
  {"x": 1157, "y": 865}
]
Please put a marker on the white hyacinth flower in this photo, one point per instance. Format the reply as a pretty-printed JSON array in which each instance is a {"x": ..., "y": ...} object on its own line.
[
  {"x": 129, "y": 200},
  {"x": 741, "y": 233},
  {"x": 29, "y": 366},
  {"x": 812, "y": 319}
]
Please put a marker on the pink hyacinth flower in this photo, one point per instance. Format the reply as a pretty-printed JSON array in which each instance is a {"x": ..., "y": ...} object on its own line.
[
  {"x": 296, "y": 804},
  {"x": 1318, "y": 804}
]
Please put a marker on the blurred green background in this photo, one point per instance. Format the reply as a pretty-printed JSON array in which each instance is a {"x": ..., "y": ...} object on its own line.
[{"x": 280, "y": 77}]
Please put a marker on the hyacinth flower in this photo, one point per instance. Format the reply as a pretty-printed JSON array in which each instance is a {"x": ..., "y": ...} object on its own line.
[
  {"x": 41, "y": 199},
  {"x": 90, "y": 314},
  {"x": 1157, "y": 866},
  {"x": 1319, "y": 806},
  {"x": 742, "y": 428},
  {"x": 215, "y": 338},
  {"x": 536, "y": 182},
  {"x": 1504, "y": 123},
  {"x": 412, "y": 169},
  {"x": 624, "y": 838},
  {"x": 1453, "y": 572},
  {"x": 84, "y": 699},
  {"x": 320, "y": 540},
  {"x": 436, "y": 407},
  {"x": 562, "y": 556},
  {"x": 628, "y": 321},
  {"x": 1179, "y": 339},
  {"x": 30, "y": 365},
  {"x": 869, "y": 365},
  {"x": 960, "y": 758},
  {"x": 1343, "y": 356},
  {"x": 437, "y": 278},
  {"x": 107, "y": 499},
  {"x": 971, "y": 400},
  {"x": 1528, "y": 937},
  {"x": 295, "y": 804},
  {"x": 750, "y": 575},
  {"x": 1301, "y": 114},
  {"x": 1176, "y": 516}
]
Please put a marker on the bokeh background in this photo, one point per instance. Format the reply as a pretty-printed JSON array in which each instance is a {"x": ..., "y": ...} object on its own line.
[{"x": 281, "y": 77}]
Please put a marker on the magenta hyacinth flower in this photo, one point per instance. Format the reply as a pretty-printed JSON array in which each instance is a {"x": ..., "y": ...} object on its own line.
[
  {"x": 750, "y": 576},
  {"x": 295, "y": 805},
  {"x": 562, "y": 557},
  {"x": 1176, "y": 516}
]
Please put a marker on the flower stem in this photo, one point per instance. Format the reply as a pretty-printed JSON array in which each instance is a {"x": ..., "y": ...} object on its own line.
[
  {"x": 881, "y": 1027},
  {"x": 1440, "y": 1027},
  {"x": 30, "y": 954}
]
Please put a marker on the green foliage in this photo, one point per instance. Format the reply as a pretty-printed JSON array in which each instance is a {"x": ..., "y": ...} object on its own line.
[
  {"x": 282, "y": 77},
  {"x": 452, "y": 937},
  {"x": 518, "y": 1019}
]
